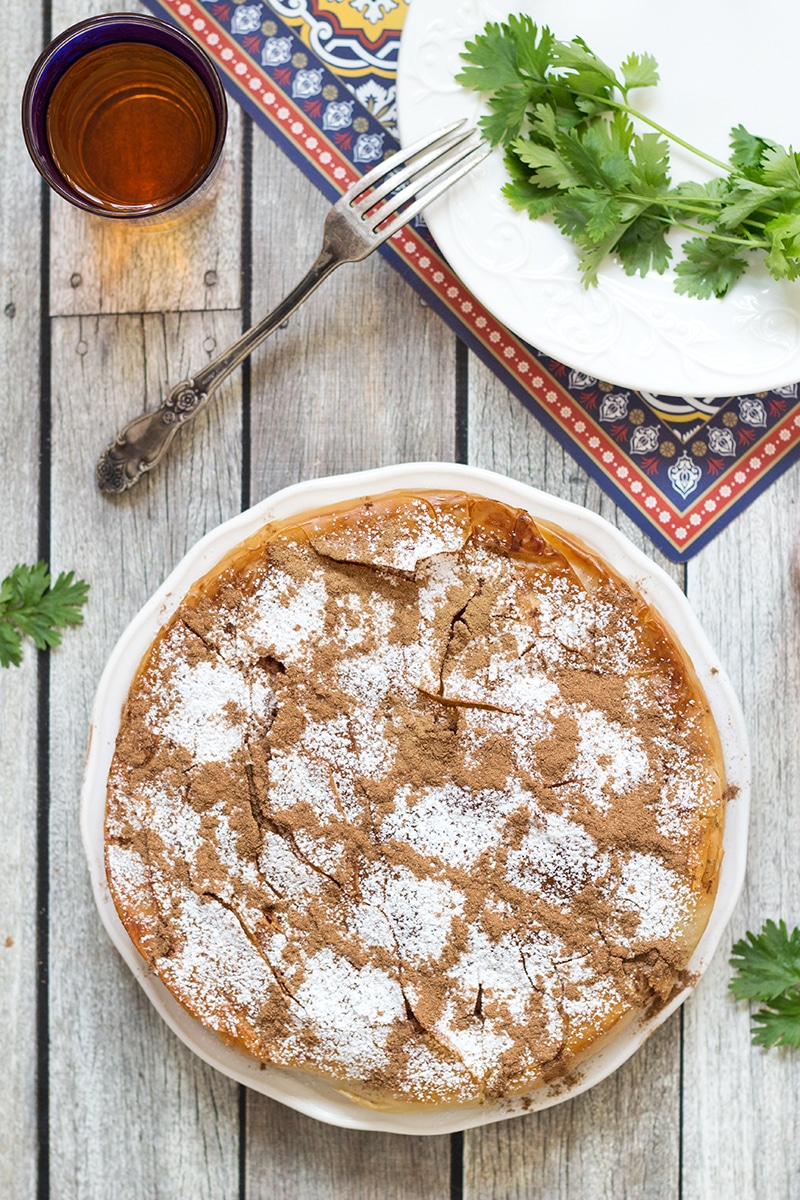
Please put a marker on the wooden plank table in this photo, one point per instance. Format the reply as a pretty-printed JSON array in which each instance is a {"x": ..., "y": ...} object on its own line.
[{"x": 98, "y": 1098}]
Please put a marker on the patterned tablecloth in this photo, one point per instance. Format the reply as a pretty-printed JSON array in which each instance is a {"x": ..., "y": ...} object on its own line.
[{"x": 319, "y": 77}]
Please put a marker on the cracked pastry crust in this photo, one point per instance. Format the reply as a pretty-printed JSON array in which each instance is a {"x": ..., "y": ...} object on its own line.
[{"x": 417, "y": 795}]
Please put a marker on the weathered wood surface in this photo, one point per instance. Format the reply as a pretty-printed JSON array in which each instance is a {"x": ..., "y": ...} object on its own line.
[
  {"x": 19, "y": 450},
  {"x": 363, "y": 375},
  {"x": 742, "y": 1104},
  {"x": 621, "y": 1139},
  {"x": 132, "y": 1112}
]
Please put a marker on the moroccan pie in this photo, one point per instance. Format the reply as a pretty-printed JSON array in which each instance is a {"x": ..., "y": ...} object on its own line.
[{"x": 419, "y": 796}]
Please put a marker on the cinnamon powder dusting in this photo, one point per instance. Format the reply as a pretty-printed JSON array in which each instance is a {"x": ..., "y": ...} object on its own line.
[{"x": 419, "y": 796}]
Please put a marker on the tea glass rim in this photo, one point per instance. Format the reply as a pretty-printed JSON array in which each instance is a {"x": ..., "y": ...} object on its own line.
[{"x": 75, "y": 43}]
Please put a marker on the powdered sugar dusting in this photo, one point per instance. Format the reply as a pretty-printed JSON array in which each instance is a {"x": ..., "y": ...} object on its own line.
[
  {"x": 208, "y": 932},
  {"x": 196, "y": 718},
  {"x": 397, "y": 545},
  {"x": 419, "y": 912},
  {"x": 352, "y": 1010},
  {"x": 556, "y": 857},
  {"x": 610, "y": 757},
  {"x": 659, "y": 897},
  {"x": 410, "y": 808},
  {"x": 449, "y": 823},
  {"x": 282, "y": 617}
]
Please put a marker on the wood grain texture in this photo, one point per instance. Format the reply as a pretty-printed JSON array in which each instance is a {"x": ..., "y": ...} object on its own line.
[
  {"x": 361, "y": 377},
  {"x": 133, "y": 1113},
  {"x": 621, "y": 1139},
  {"x": 617, "y": 1141},
  {"x": 20, "y": 233},
  {"x": 504, "y": 436},
  {"x": 104, "y": 266},
  {"x": 742, "y": 1104},
  {"x": 291, "y": 1157},
  {"x": 363, "y": 374}
]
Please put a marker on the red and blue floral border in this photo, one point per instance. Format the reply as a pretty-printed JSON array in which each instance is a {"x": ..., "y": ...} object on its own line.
[{"x": 681, "y": 490}]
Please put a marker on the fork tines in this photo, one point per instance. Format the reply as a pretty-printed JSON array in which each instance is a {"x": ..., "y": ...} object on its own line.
[{"x": 427, "y": 168}]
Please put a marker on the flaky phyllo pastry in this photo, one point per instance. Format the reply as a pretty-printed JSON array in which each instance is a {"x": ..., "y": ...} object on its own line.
[{"x": 419, "y": 796}]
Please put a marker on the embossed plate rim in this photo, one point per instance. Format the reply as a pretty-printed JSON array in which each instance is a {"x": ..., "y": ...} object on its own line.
[{"x": 301, "y": 1091}]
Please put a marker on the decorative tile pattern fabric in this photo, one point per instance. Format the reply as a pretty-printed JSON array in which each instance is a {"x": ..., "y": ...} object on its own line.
[{"x": 319, "y": 77}]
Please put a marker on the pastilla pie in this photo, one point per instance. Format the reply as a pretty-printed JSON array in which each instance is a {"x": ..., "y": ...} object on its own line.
[{"x": 417, "y": 795}]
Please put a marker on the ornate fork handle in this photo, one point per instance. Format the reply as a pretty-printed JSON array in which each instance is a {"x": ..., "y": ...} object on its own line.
[{"x": 144, "y": 440}]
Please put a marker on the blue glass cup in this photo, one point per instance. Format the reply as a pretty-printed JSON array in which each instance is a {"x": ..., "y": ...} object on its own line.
[{"x": 125, "y": 117}]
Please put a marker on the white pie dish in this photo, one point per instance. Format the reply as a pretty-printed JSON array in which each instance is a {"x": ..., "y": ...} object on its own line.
[{"x": 307, "y": 1094}]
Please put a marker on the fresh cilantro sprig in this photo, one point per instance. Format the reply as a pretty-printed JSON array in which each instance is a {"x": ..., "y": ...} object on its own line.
[
  {"x": 768, "y": 970},
  {"x": 574, "y": 150},
  {"x": 31, "y": 604}
]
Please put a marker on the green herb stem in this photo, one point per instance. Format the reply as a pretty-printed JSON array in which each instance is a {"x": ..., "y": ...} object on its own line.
[
  {"x": 729, "y": 238},
  {"x": 749, "y": 242},
  {"x": 673, "y": 137}
]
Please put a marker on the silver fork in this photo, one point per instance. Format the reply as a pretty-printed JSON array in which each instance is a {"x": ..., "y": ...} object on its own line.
[{"x": 373, "y": 209}]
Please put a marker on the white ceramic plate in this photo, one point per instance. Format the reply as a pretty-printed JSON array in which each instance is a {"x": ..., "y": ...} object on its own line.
[
  {"x": 301, "y": 1091},
  {"x": 721, "y": 65}
]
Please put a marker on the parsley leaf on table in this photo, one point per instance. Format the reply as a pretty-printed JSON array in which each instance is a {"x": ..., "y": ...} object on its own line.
[
  {"x": 779, "y": 1023},
  {"x": 768, "y": 970},
  {"x": 31, "y": 604},
  {"x": 574, "y": 150}
]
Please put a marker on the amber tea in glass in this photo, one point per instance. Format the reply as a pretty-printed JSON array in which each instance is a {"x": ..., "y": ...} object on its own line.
[
  {"x": 125, "y": 116},
  {"x": 130, "y": 125}
]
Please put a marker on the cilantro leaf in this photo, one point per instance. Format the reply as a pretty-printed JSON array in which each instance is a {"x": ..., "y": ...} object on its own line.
[
  {"x": 768, "y": 970},
  {"x": 587, "y": 71},
  {"x": 587, "y": 217},
  {"x": 747, "y": 149},
  {"x": 766, "y": 963},
  {"x": 600, "y": 152},
  {"x": 592, "y": 259},
  {"x": 510, "y": 60},
  {"x": 643, "y": 246},
  {"x": 650, "y": 154},
  {"x": 702, "y": 201},
  {"x": 547, "y": 122},
  {"x": 639, "y": 70},
  {"x": 779, "y": 168},
  {"x": 493, "y": 58},
  {"x": 10, "y": 646},
  {"x": 574, "y": 148},
  {"x": 710, "y": 268},
  {"x": 552, "y": 169},
  {"x": 783, "y": 259},
  {"x": 534, "y": 54},
  {"x": 590, "y": 216},
  {"x": 522, "y": 192},
  {"x": 507, "y": 109},
  {"x": 525, "y": 197},
  {"x": 742, "y": 200},
  {"x": 604, "y": 216},
  {"x": 31, "y": 604},
  {"x": 778, "y": 1023}
]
